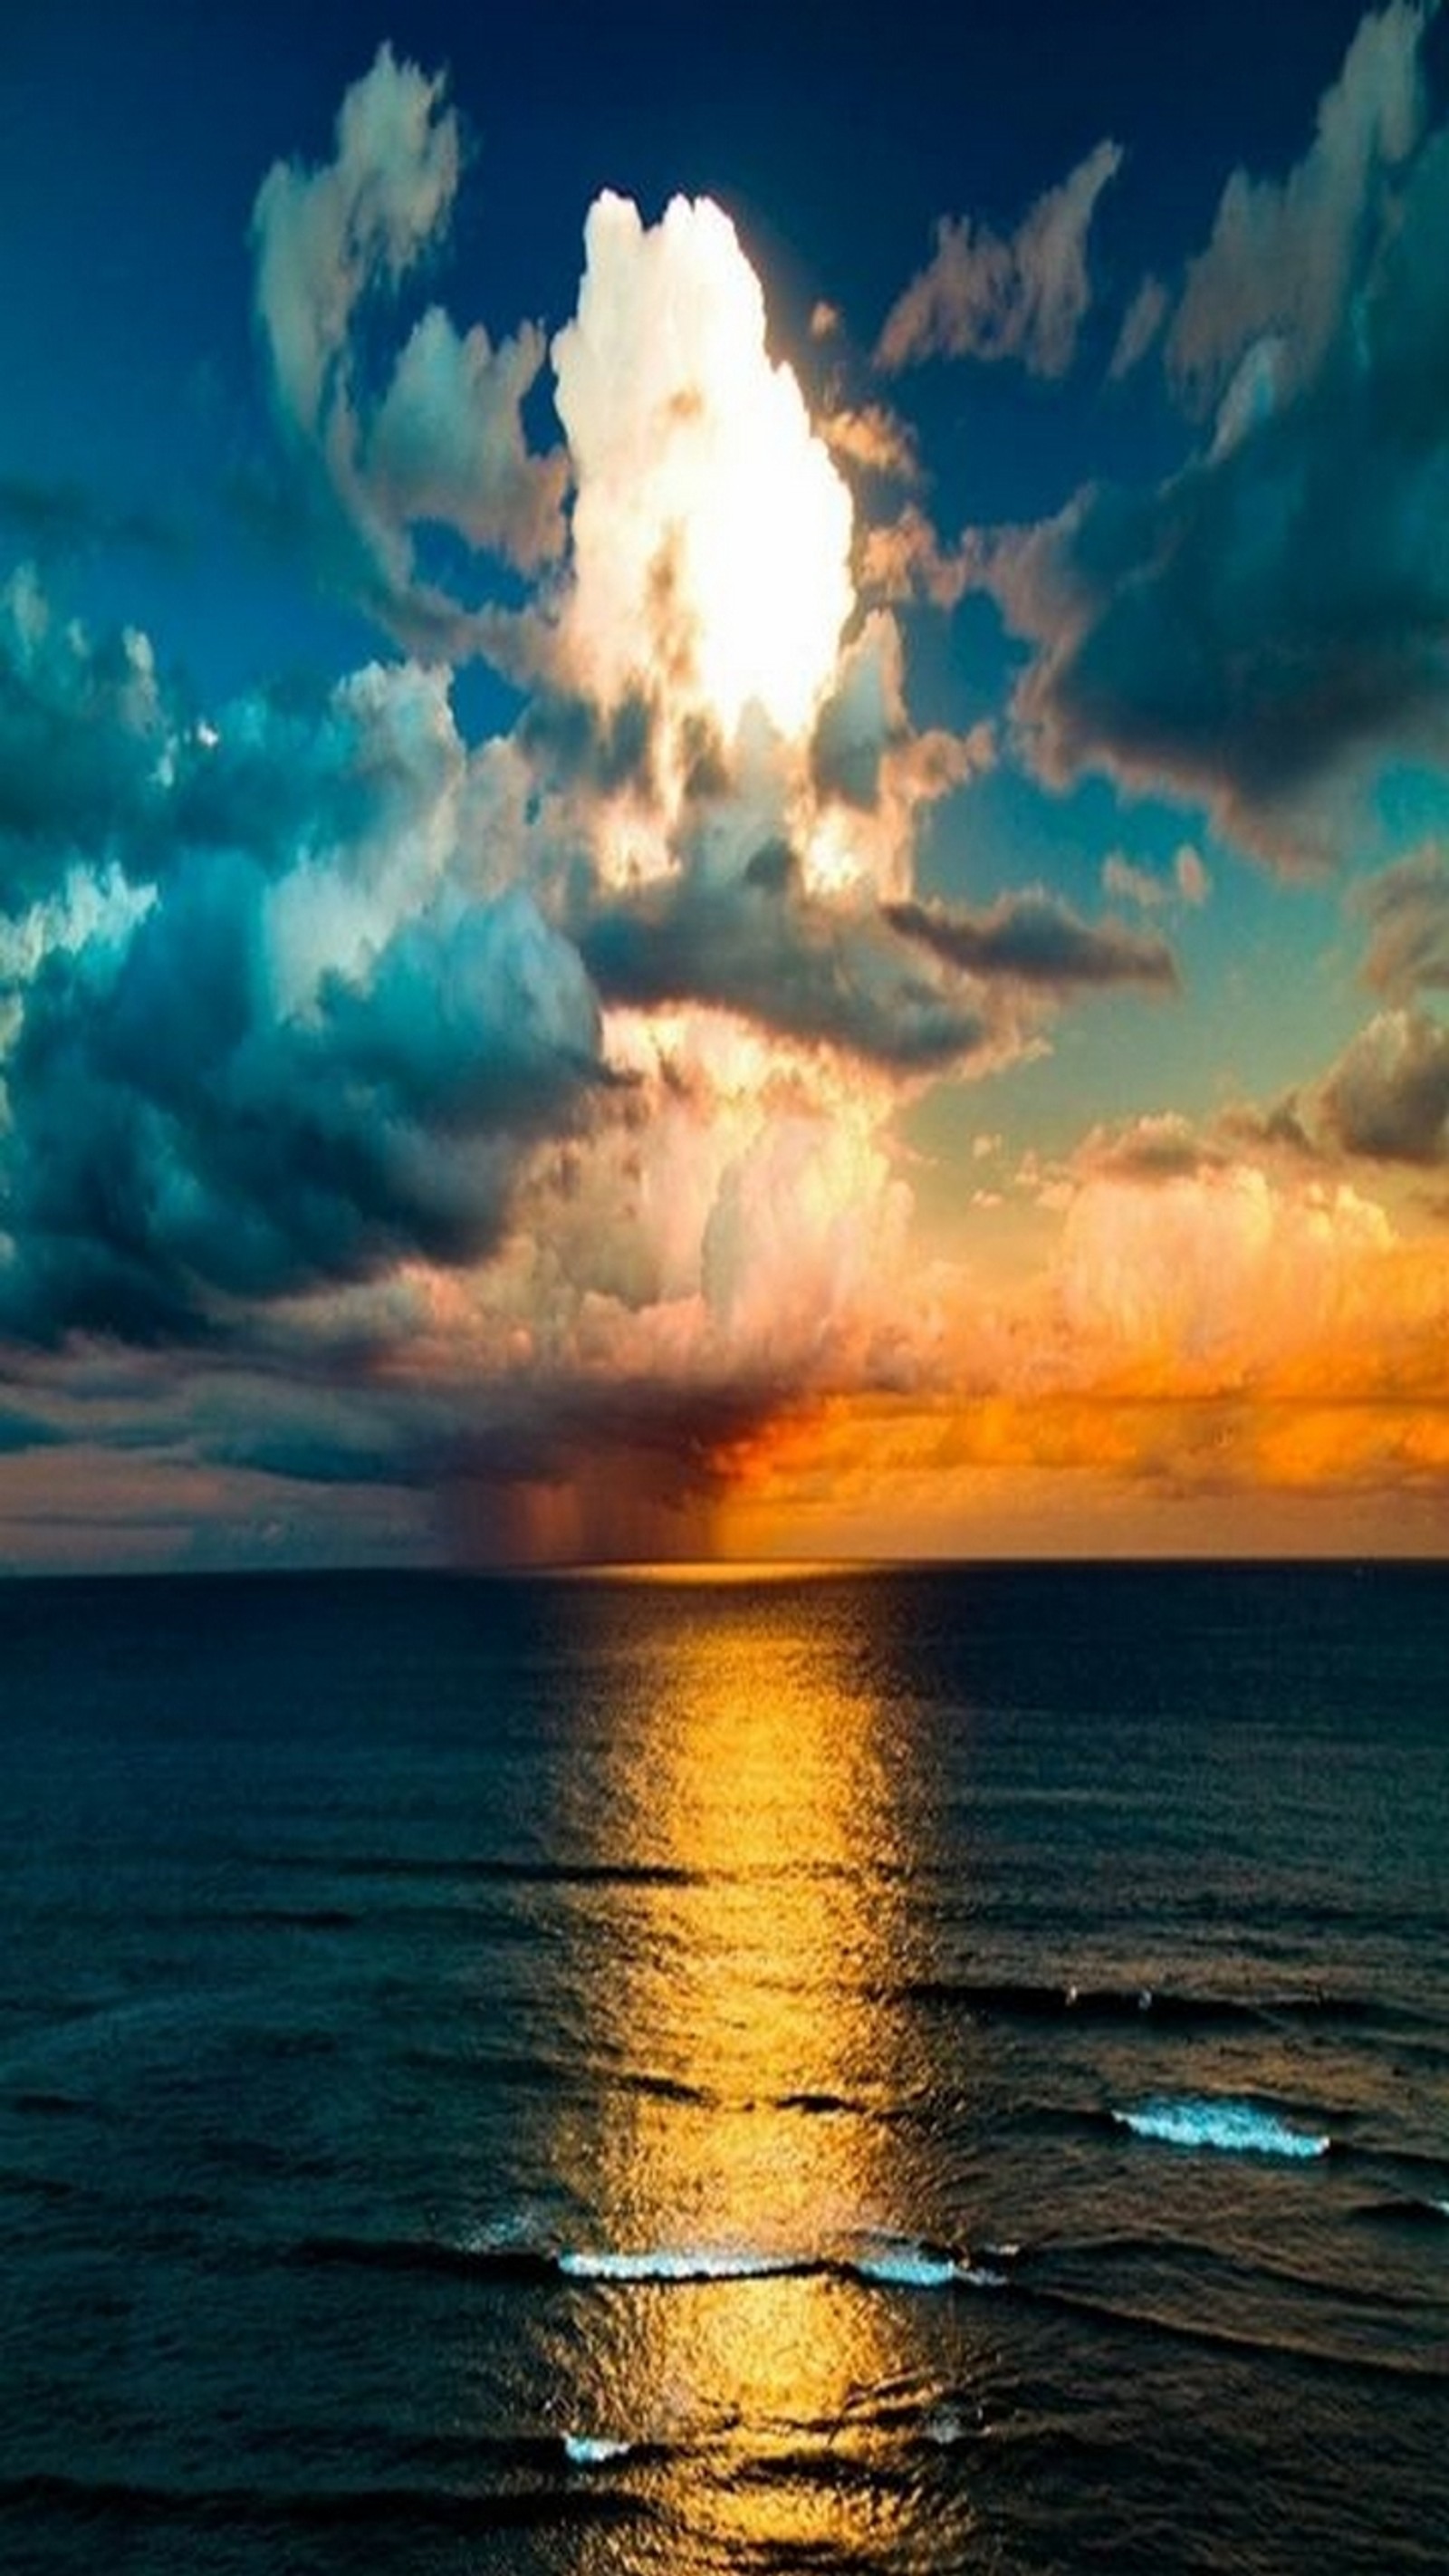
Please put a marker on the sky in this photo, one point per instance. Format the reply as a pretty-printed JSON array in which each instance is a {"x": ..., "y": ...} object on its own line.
[{"x": 723, "y": 807}]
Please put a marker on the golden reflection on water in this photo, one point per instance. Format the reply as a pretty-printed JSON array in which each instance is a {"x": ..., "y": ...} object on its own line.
[{"x": 756, "y": 1781}]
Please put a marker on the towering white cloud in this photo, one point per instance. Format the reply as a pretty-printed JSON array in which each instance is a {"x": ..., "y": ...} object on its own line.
[{"x": 711, "y": 532}]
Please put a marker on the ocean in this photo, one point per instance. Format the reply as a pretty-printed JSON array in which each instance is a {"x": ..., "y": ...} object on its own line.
[{"x": 932, "y": 2070}]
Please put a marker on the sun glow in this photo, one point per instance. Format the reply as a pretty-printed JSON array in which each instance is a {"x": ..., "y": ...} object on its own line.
[{"x": 711, "y": 530}]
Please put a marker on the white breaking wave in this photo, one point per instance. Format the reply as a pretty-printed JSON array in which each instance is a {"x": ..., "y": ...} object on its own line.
[
  {"x": 897, "y": 2263},
  {"x": 593, "y": 2450},
  {"x": 909, "y": 2268},
  {"x": 917, "y": 2267},
  {"x": 676, "y": 2263},
  {"x": 1237, "y": 2128}
]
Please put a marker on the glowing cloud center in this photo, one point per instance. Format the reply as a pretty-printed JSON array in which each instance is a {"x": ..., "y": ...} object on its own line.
[{"x": 711, "y": 530}]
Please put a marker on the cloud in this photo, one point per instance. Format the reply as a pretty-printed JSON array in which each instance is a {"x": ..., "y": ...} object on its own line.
[
  {"x": 903, "y": 558},
  {"x": 302, "y": 995},
  {"x": 877, "y": 438},
  {"x": 1408, "y": 909},
  {"x": 177, "y": 1150},
  {"x": 307, "y": 1039},
  {"x": 1188, "y": 881},
  {"x": 1387, "y": 1096},
  {"x": 1208, "y": 1269},
  {"x": 1266, "y": 626},
  {"x": 1022, "y": 297},
  {"x": 1141, "y": 324},
  {"x": 811, "y": 971},
  {"x": 443, "y": 440},
  {"x": 1160, "y": 1147},
  {"x": 1210, "y": 1340},
  {"x": 710, "y": 531},
  {"x": 1036, "y": 940},
  {"x": 86, "y": 741},
  {"x": 448, "y": 444},
  {"x": 1190, "y": 875},
  {"x": 516, "y": 1120},
  {"x": 1284, "y": 256}
]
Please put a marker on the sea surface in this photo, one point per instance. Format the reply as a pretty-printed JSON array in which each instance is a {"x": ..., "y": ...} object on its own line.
[{"x": 909, "y": 2071}]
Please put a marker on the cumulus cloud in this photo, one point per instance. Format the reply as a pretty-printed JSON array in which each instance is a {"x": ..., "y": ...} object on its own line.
[
  {"x": 180, "y": 1146},
  {"x": 1162, "y": 1146},
  {"x": 1209, "y": 1265},
  {"x": 87, "y": 741},
  {"x": 1023, "y": 296},
  {"x": 448, "y": 444},
  {"x": 1209, "y": 1330},
  {"x": 1387, "y": 1096},
  {"x": 1260, "y": 630},
  {"x": 442, "y": 441},
  {"x": 269, "y": 1014},
  {"x": 303, "y": 995},
  {"x": 710, "y": 532}
]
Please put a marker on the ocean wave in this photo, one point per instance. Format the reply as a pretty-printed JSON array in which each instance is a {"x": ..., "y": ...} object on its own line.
[
  {"x": 1409, "y": 2210},
  {"x": 208, "y": 2509},
  {"x": 1231, "y": 2127},
  {"x": 679, "y": 2263},
  {"x": 1387, "y": 2357},
  {"x": 1019, "y": 1999},
  {"x": 906, "y": 2265},
  {"x": 903, "y": 2263},
  {"x": 594, "y": 2450},
  {"x": 423, "y": 2254}
]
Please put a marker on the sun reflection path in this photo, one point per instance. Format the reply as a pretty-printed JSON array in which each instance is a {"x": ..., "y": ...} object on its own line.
[
  {"x": 758, "y": 1782},
  {"x": 759, "y": 1791}
]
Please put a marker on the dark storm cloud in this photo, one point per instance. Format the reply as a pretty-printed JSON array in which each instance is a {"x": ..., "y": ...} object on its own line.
[
  {"x": 178, "y": 1145},
  {"x": 1035, "y": 940},
  {"x": 803, "y": 968},
  {"x": 1276, "y": 615}
]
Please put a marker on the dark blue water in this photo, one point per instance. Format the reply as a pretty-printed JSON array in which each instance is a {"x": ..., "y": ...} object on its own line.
[{"x": 932, "y": 2071}]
